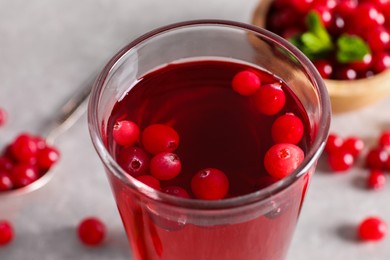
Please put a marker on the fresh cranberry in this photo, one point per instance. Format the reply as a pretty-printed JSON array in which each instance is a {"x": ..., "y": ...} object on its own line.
[
  {"x": 384, "y": 139},
  {"x": 158, "y": 138},
  {"x": 378, "y": 39},
  {"x": 150, "y": 181},
  {"x": 340, "y": 161},
  {"x": 24, "y": 148},
  {"x": 376, "y": 180},
  {"x": 337, "y": 25},
  {"x": 362, "y": 65},
  {"x": 324, "y": 67},
  {"x": 6, "y": 232},
  {"x": 366, "y": 16},
  {"x": 134, "y": 161},
  {"x": 376, "y": 158},
  {"x": 5, "y": 182},
  {"x": 40, "y": 142},
  {"x": 210, "y": 184},
  {"x": 47, "y": 157},
  {"x": 330, "y": 4},
  {"x": 333, "y": 143},
  {"x": 381, "y": 62},
  {"x": 270, "y": 99},
  {"x": 281, "y": 19},
  {"x": 301, "y": 6},
  {"x": 91, "y": 231},
  {"x": 6, "y": 164},
  {"x": 282, "y": 159},
  {"x": 176, "y": 191},
  {"x": 125, "y": 132},
  {"x": 346, "y": 7},
  {"x": 287, "y": 128},
  {"x": 378, "y": 3},
  {"x": 3, "y": 117},
  {"x": 346, "y": 73},
  {"x": 324, "y": 14},
  {"x": 372, "y": 229},
  {"x": 246, "y": 83},
  {"x": 165, "y": 166},
  {"x": 353, "y": 145},
  {"x": 23, "y": 175}
]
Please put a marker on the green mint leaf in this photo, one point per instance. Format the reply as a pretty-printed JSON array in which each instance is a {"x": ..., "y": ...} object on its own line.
[
  {"x": 316, "y": 26},
  {"x": 351, "y": 48}
]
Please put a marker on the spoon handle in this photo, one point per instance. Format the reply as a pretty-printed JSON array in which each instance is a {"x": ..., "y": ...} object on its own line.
[{"x": 70, "y": 112}]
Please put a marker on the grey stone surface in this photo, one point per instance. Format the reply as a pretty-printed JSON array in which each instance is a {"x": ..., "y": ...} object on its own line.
[{"x": 47, "y": 48}]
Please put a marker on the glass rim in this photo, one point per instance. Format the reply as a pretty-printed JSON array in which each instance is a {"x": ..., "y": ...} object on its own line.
[{"x": 310, "y": 158}]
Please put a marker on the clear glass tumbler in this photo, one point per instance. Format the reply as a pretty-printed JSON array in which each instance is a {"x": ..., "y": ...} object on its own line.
[{"x": 258, "y": 225}]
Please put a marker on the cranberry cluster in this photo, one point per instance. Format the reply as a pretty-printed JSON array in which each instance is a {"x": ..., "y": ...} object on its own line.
[{"x": 367, "y": 19}]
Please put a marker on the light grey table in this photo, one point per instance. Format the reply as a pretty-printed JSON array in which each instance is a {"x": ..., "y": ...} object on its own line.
[{"x": 47, "y": 48}]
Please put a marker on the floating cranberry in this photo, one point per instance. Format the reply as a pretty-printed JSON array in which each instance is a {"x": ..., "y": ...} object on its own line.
[
  {"x": 5, "y": 181},
  {"x": 381, "y": 62},
  {"x": 47, "y": 157},
  {"x": 376, "y": 180},
  {"x": 270, "y": 99},
  {"x": 384, "y": 139},
  {"x": 246, "y": 83},
  {"x": 287, "y": 128},
  {"x": 91, "y": 231},
  {"x": 150, "y": 181},
  {"x": 372, "y": 229},
  {"x": 176, "y": 191},
  {"x": 340, "y": 161},
  {"x": 134, "y": 161},
  {"x": 210, "y": 184},
  {"x": 333, "y": 143},
  {"x": 23, "y": 175},
  {"x": 165, "y": 166},
  {"x": 125, "y": 132},
  {"x": 282, "y": 159},
  {"x": 158, "y": 138},
  {"x": 6, "y": 232},
  {"x": 3, "y": 117},
  {"x": 325, "y": 68},
  {"x": 353, "y": 145},
  {"x": 24, "y": 148},
  {"x": 376, "y": 158}
]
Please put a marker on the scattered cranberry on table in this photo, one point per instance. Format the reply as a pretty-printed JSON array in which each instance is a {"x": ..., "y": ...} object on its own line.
[
  {"x": 3, "y": 117},
  {"x": 372, "y": 229},
  {"x": 376, "y": 180},
  {"x": 91, "y": 231},
  {"x": 6, "y": 232}
]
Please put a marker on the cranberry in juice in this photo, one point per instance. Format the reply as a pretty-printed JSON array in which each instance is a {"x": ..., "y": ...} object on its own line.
[{"x": 221, "y": 129}]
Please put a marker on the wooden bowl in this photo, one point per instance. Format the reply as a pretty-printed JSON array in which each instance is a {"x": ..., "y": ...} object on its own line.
[{"x": 345, "y": 95}]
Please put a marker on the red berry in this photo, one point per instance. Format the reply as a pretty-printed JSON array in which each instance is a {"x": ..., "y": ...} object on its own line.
[
  {"x": 366, "y": 16},
  {"x": 270, "y": 99},
  {"x": 125, "y": 132},
  {"x": 346, "y": 73},
  {"x": 302, "y": 6},
  {"x": 5, "y": 182},
  {"x": 6, "y": 164},
  {"x": 324, "y": 67},
  {"x": 333, "y": 143},
  {"x": 246, "y": 83},
  {"x": 24, "y": 148},
  {"x": 91, "y": 231},
  {"x": 381, "y": 62},
  {"x": 160, "y": 138},
  {"x": 283, "y": 18},
  {"x": 362, "y": 65},
  {"x": 324, "y": 14},
  {"x": 23, "y": 175},
  {"x": 287, "y": 128},
  {"x": 384, "y": 139},
  {"x": 47, "y": 157},
  {"x": 282, "y": 159},
  {"x": 134, "y": 161},
  {"x": 340, "y": 161},
  {"x": 176, "y": 191},
  {"x": 353, "y": 145},
  {"x": 150, "y": 181},
  {"x": 6, "y": 232},
  {"x": 3, "y": 117},
  {"x": 376, "y": 180},
  {"x": 210, "y": 184},
  {"x": 376, "y": 158},
  {"x": 330, "y": 4},
  {"x": 378, "y": 39},
  {"x": 337, "y": 25},
  {"x": 372, "y": 229},
  {"x": 165, "y": 166}
]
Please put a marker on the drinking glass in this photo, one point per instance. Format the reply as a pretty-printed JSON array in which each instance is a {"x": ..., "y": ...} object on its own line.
[{"x": 258, "y": 225}]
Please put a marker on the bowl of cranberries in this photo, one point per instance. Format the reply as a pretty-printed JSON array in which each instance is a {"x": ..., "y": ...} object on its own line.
[{"x": 347, "y": 40}]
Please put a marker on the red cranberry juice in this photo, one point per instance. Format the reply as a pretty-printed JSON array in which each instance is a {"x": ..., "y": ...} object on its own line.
[{"x": 218, "y": 128}]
